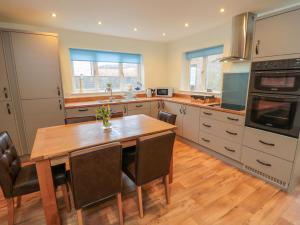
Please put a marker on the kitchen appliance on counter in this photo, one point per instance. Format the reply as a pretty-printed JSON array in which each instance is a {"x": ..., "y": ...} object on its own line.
[
  {"x": 164, "y": 92},
  {"x": 203, "y": 98},
  {"x": 274, "y": 97},
  {"x": 150, "y": 92}
]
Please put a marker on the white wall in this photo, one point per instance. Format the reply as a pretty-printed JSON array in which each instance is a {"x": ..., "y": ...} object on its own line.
[
  {"x": 154, "y": 53},
  {"x": 213, "y": 37}
]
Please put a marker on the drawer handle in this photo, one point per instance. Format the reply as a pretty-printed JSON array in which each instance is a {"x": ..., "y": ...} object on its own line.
[
  {"x": 231, "y": 133},
  {"x": 8, "y": 108},
  {"x": 206, "y": 140},
  {"x": 263, "y": 163},
  {"x": 139, "y": 106},
  {"x": 5, "y": 92},
  {"x": 206, "y": 125},
  {"x": 229, "y": 149},
  {"x": 83, "y": 110},
  {"x": 266, "y": 143},
  {"x": 207, "y": 113},
  {"x": 232, "y": 119}
]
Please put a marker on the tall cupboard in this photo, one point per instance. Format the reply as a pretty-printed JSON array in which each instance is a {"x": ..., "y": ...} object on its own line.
[{"x": 31, "y": 89}]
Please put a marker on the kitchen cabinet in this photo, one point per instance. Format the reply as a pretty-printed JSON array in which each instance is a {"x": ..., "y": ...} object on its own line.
[
  {"x": 138, "y": 108},
  {"x": 155, "y": 107},
  {"x": 176, "y": 109},
  {"x": 40, "y": 113},
  {"x": 277, "y": 35},
  {"x": 190, "y": 122},
  {"x": 8, "y": 123},
  {"x": 37, "y": 65},
  {"x": 4, "y": 85}
]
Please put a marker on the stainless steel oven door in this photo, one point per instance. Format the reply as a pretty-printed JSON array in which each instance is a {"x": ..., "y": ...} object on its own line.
[
  {"x": 274, "y": 113},
  {"x": 279, "y": 82}
]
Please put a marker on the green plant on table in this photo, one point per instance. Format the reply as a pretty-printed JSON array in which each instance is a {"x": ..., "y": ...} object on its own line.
[{"x": 103, "y": 113}]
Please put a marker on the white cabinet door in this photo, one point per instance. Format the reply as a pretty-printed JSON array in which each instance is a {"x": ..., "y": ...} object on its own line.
[
  {"x": 41, "y": 113},
  {"x": 190, "y": 123},
  {"x": 277, "y": 35},
  {"x": 154, "y": 108},
  {"x": 37, "y": 65},
  {"x": 145, "y": 111},
  {"x": 8, "y": 123},
  {"x": 176, "y": 109},
  {"x": 4, "y": 87}
]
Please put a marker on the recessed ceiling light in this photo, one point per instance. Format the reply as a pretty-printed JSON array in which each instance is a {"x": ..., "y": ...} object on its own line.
[
  {"x": 99, "y": 23},
  {"x": 186, "y": 25},
  {"x": 135, "y": 29},
  {"x": 222, "y": 10},
  {"x": 163, "y": 34},
  {"x": 53, "y": 15}
]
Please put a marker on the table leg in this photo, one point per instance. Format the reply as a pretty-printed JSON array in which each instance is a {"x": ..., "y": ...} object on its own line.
[
  {"x": 47, "y": 190},
  {"x": 171, "y": 171}
]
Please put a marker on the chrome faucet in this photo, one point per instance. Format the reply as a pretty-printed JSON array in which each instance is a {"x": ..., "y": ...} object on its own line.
[{"x": 108, "y": 90}]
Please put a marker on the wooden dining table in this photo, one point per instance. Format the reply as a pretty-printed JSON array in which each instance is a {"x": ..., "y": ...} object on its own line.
[{"x": 52, "y": 146}]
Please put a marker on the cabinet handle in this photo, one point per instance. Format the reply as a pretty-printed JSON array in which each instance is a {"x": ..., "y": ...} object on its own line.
[
  {"x": 60, "y": 105},
  {"x": 206, "y": 125},
  {"x": 138, "y": 106},
  {"x": 232, "y": 119},
  {"x": 206, "y": 140},
  {"x": 263, "y": 163},
  {"x": 58, "y": 90},
  {"x": 229, "y": 149},
  {"x": 257, "y": 47},
  {"x": 231, "y": 133},
  {"x": 8, "y": 108},
  {"x": 83, "y": 110},
  {"x": 163, "y": 104},
  {"x": 184, "y": 110},
  {"x": 180, "y": 110},
  {"x": 125, "y": 109},
  {"x": 207, "y": 113},
  {"x": 266, "y": 143},
  {"x": 5, "y": 92}
]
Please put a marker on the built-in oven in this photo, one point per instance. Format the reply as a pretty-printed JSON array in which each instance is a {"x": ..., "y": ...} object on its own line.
[{"x": 275, "y": 113}]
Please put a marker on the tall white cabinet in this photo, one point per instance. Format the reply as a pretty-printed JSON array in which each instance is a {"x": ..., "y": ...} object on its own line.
[{"x": 32, "y": 95}]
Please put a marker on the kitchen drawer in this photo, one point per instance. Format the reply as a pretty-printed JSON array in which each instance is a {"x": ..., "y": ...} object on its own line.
[
  {"x": 271, "y": 143},
  {"x": 145, "y": 111},
  {"x": 224, "y": 130},
  {"x": 140, "y": 105},
  {"x": 222, "y": 146},
  {"x": 223, "y": 116},
  {"x": 81, "y": 112},
  {"x": 266, "y": 166}
]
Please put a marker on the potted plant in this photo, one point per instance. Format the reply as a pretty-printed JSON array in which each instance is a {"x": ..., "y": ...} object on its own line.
[{"x": 103, "y": 113}]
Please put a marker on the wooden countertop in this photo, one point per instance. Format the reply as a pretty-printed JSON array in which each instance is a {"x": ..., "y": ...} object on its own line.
[
  {"x": 182, "y": 100},
  {"x": 58, "y": 141}
]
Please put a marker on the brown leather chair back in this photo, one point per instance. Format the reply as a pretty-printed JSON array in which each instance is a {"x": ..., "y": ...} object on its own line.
[
  {"x": 167, "y": 117},
  {"x": 154, "y": 154},
  {"x": 96, "y": 173},
  {"x": 10, "y": 164}
]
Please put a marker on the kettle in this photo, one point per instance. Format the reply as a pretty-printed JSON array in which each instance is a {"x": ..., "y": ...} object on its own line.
[{"x": 149, "y": 92}]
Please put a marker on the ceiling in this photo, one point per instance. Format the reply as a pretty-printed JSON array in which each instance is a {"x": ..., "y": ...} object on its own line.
[{"x": 152, "y": 18}]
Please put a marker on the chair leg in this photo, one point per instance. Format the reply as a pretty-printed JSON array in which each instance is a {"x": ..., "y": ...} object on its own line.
[
  {"x": 19, "y": 199},
  {"x": 10, "y": 211},
  {"x": 167, "y": 188},
  {"x": 140, "y": 200},
  {"x": 120, "y": 208},
  {"x": 79, "y": 217},
  {"x": 66, "y": 197}
]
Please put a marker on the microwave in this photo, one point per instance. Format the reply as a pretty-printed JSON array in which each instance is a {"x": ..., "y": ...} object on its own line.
[{"x": 164, "y": 92}]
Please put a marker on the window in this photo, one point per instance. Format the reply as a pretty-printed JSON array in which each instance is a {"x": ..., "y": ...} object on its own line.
[
  {"x": 204, "y": 69},
  {"x": 93, "y": 70}
]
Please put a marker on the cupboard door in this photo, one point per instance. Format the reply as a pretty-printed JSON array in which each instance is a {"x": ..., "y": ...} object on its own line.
[
  {"x": 177, "y": 110},
  {"x": 145, "y": 111},
  {"x": 37, "y": 65},
  {"x": 190, "y": 123},
  {"x": 41, "y": 113},
  {"x": 4, "y": 87},
  {"x": 154, "y": 108},
  {"x": 277, "y": 35},
  {"x": 8, "y": 123}
]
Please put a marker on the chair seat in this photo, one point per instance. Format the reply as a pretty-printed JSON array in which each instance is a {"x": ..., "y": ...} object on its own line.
[{"x": 27, "y": 179}]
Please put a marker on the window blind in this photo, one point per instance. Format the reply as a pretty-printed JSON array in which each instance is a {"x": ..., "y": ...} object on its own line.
[
  {"x": 104, "y": 56},
  {"x": 205, "y": 52}
]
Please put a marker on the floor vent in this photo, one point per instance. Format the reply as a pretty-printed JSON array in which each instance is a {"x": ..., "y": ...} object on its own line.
[{"x": 267, "y": 177}]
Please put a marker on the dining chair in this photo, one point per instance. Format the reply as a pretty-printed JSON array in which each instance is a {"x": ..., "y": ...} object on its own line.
[
  {"x": 167, "y": 117},
  {"x": 17, "y": 180},
  {"x": 150, "y": 161},
  {"x": 96, "y": 174}
]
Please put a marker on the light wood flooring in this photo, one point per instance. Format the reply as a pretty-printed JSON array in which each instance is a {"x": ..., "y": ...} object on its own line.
[{"x": 205, "y": 191}]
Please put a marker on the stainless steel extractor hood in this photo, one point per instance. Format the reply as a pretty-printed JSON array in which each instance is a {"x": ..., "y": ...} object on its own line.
[{"x": 241, "y": 40}]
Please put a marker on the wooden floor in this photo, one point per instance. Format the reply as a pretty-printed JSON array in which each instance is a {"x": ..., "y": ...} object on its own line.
[{"x": 205, "y": 191}]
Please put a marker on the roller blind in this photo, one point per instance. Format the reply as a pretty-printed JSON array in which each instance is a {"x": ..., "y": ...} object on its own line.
[
  {"x": 205, "y": 52},
  {"x": 103, "y": 56}
]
